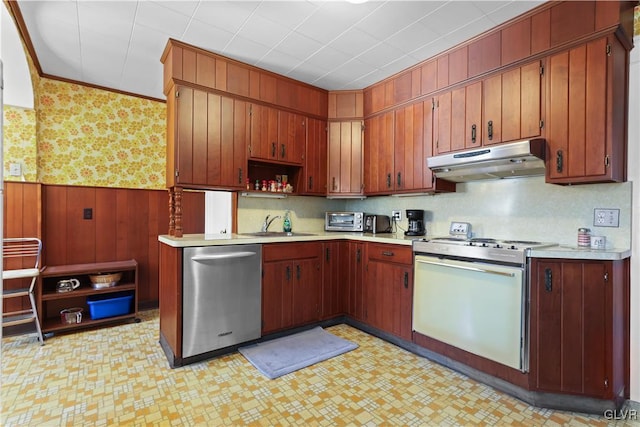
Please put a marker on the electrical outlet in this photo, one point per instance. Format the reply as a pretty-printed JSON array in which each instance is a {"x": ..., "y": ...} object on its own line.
[
  {"x": 396, "y": 215},
  {"x": 15, "y": 169},
  {"x": 606, "y": 217}
]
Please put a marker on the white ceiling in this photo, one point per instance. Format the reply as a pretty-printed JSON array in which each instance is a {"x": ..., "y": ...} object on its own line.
[{"x": 329, "y": 44}]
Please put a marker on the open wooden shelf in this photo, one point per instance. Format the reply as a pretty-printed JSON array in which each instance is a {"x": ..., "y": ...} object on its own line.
[{"x": 50, "y": 302}]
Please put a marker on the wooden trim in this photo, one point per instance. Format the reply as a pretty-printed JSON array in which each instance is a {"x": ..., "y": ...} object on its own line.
[
  {"x": 94, "y": 86},
  {"x": 14, "y": 11}
]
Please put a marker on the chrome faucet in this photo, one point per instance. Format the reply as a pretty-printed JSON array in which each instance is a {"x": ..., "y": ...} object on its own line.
[{"x": 267, "y": 222}]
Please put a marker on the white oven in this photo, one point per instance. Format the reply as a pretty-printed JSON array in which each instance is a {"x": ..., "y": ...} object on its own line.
[{"x": 475, "y": 306}]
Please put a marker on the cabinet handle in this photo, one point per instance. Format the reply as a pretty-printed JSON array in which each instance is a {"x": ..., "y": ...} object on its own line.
[
  {"x": 298, "y": 272},
  {"x": 490, "y": 130},
  {"x": 473, "y": 134},
  {"x": 406, "y": 280},
  {"x": 559, "y": 161},
  {"x": 239, "y": 175},
  {"x": 288, "y": 273},
  {"x": 333, "y": 184},
  {"x": 310, "y": 183},
  {"x": 282, "y": 151},
  {"x": 358, "y": 256},
  {"x": 387, "y": 253},
  {"x": 327, "y": 257},
  {"x": 273, "y": 149},
  {"x": 548, "y": 280},
  {"x": 388, "y": 180},
  {"x": 399, "y": 179}
]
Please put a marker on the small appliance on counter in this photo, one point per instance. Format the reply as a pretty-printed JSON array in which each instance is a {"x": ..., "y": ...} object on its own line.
[
  {"x": 377, "y": 224},
  {"x": 416, "y": 222},
  {"x": 344, "y": 221}
]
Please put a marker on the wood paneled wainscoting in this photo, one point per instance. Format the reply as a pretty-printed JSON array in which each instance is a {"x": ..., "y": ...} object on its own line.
[{"x": 93, "y": 224}]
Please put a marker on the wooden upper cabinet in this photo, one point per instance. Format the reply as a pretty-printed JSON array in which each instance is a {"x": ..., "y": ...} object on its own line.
[
  {"x": 512, "y": 105},
  {"x": 484, "y": 54},
  {"x": 345, "y": 158},
  {"x": 315, "y": 162},
  {"x": 276, "y": 135},
  {"x": 516, "y": 41},
  {"x": 207, "y": 139},
  {"x": 586, "y": 113},
  {"x": 292, "y": 136},
  {"x": 378, "y": 154},
  {"x": 459, "y": 119},
  {"x": 346, "y": 104}
]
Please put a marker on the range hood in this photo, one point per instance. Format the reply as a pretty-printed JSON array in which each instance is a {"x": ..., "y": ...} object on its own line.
[{"x": 511, "y": 160}]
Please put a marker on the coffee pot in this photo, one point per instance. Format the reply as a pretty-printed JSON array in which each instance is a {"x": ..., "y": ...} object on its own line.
[
  {"x": 68, "y": 285},
  {"x": 416, "y": 222}
]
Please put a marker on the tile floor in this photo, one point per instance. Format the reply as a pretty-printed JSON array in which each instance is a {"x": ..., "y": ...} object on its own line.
[{"x": 119, "y": 376}]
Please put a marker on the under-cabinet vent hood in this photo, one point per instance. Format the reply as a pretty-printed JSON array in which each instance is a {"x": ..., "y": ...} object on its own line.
[{"x": 511, "y": 160}]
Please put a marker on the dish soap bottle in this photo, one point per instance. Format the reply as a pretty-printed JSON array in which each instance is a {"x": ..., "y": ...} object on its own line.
[{"x": 286, "y": 223}]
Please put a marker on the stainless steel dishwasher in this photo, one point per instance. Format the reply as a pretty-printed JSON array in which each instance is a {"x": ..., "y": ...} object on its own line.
[{"x": 221, "y": 297}]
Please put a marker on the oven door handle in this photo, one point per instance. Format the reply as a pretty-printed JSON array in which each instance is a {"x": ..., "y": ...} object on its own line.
[{"x": 463, "y": 267}]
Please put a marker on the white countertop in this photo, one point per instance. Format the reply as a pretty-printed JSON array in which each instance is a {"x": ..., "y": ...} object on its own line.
[
  {"x": 560, "y": 251},
  {"x": 573, "y": 252},
  {"x": 242, "y": 239}
]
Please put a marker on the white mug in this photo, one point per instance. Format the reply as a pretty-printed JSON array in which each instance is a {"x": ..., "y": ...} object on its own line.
[{"x": 598, "y": 242}]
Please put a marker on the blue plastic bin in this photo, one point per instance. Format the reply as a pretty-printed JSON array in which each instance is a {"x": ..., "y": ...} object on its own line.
[{"x": 110, "y": 305}]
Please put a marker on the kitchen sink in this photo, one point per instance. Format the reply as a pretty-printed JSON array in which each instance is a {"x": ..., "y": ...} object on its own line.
[{"x": 277, "y": 234}]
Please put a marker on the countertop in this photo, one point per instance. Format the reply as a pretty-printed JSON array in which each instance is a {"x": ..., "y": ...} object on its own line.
[{"x": 559, "y": 251}]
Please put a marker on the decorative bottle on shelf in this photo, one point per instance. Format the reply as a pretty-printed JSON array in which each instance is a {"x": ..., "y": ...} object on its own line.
[{"x": 286, "y": 223}]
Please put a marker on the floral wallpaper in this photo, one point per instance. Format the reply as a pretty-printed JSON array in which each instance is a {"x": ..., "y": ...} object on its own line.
[
  {"x": 636, "y": 21},
  {"x": 19, "y": 138},
  {"x": 92, "y": 137}
]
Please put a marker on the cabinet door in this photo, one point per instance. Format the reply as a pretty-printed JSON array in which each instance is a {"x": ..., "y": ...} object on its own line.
[
  {"x": 315, "y": 164},
  {"x": 570, "y": 317},
  {"x": 577, "y": 120},
  {"x": 356, "y": 293},
  {"x": 409, "y": 147},
  {"x": 291, "y": 137},
  {"x": 345, "y": 157},
  {"x": 378, "y": 154},
  {"x": 473, "y": 115},
  {"x": 231, "y": 137},
  {"x": 333, "y": 289},
  {"x": 511, "y": 103},
  {"x": 307, "y": 290},
  {"x": 276, "y": 296},
  {"x": 264, "y": 133},
  {"x": 454, "y": 130}
]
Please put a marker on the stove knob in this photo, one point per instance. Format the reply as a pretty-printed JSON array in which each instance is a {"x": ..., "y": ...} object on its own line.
[
  {"x": 513, "y": 247},
  {"x": 472, "y": 243},
  {"x": 484, "y": 245},
  {"x": 498, "y": 246}
]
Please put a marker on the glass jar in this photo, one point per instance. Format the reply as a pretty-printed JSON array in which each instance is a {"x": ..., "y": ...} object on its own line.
[{"x": 584, "y": 238}]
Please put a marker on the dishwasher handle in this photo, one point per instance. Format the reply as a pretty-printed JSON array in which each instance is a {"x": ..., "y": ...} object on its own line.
[
  {"x": 224, "y": 256},
  {"x": 464, "y": 267}
]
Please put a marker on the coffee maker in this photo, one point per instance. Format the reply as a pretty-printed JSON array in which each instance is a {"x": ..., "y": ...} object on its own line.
[{"x": 416, "y": 222}]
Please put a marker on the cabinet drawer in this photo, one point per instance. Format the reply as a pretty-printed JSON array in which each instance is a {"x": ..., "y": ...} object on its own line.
[
  {"x": 390, "y": 253},
  {"x": 289, "y": 251}
]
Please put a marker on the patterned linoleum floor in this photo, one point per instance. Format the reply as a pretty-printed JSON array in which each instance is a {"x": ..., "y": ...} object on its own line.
[{"x": 120, "y": 376}]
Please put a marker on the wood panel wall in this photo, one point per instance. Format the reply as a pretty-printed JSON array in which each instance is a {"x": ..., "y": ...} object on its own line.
[
  {"x": 125, "y": 224},
  {"x": 22, "y": 201}
]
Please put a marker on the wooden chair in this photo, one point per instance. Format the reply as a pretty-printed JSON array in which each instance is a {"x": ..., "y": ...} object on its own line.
[{"x": 19, "y": 254}]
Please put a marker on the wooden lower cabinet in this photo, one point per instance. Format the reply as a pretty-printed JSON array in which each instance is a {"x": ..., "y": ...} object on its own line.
[
  {"x": 389, "y": 288},
  {"x": 579, "y": 325},
  {"x": 353, "y": 269},
  {"x": 291, "y": 285},
  {"x": 334, "y": 280}
]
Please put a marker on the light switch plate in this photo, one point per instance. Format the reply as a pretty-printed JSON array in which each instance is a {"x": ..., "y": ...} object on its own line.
[
  {"x": 606, "y": 217},
  {"x": 15, "y": 169}
]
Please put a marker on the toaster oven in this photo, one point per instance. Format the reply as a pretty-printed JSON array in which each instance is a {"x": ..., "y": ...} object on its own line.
[{"x": 344, "y": 221}]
